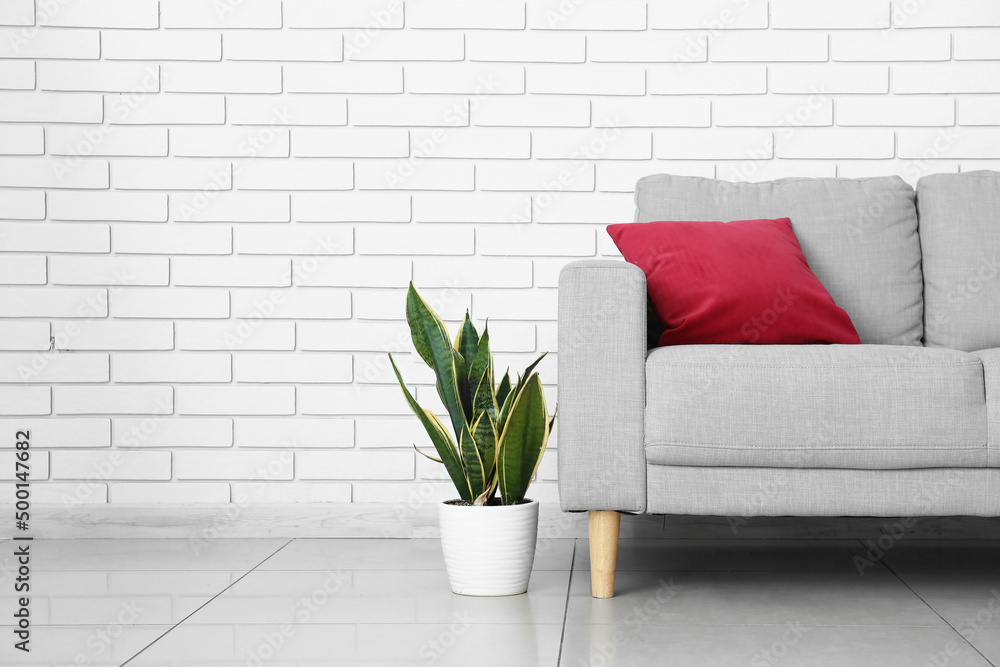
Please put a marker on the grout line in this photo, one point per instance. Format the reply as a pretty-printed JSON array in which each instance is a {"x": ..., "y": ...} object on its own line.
[
  {"x": 569, "y": 586},
  {"x": 209, "y": 601}
]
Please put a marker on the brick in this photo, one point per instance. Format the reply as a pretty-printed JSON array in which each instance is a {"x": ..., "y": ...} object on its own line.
[
  {"x": 401, "y": 492},
  {"x": 351, "y": 207},
  {"x": 950, "y": 14},
  {"x": 23, "y": 270},
  {"x": 292, "y": 492},
  {"x": 17, "y": 75},
  {"x": 950, "y": 143},
  {"x": 468, "y": 272},
  {"x": 595, "y": 79},
  {"x": 343, "y": 78},
  {"x": 171, "y": 368},
  {"x": 594, "y": 15},
  {"x": 199, "y": 14},
  {"x": 391, "y": 432},
  {"x": 350, "y": 142},
  {"x": 65, "y": 432},
  {"x": 706, "y": 79},
  {"x": 766, "y": 170},
  {"x": 161, "y": 45},
  {"x": 525, "y": 47},
  {"x": 21, "y": 140},
  {"x": 178, "y": 174},
  {"x": 39, "y": 469},
  {"x": 952, "y": 77},
  {"x": 32, "y": 107},
  {"x": 17, "y": 12},
  {"x": 120, "y": 271},
  {"x": 896, "y": 111},
  {"x": 212, "y": 206},
  {"x": 979, "y": 111},
  {"x": 535, "y": 241},
  {"x": 53, "y": 302},
  {"x": 572, "y": 207},
  {"x": 890, "y": 46},
  {"x": 315, "y": 303},
  {"x": 621, "y": 176},
  {"x": 607, "y": 144},
  {"x": 450, "y": 304},
  {"x": 52, "y": 493},
  {"x": 407, "y": 45},
  {"x": 165, "y": 110},
  {"x": 119, "y": 335},
  {"x": 54, "y": 237},
  {"x": 355, "y": 465},
  {"x": 351, "y": 271},
  {"x": 425, "y": 111},
  {"x": 295, "y": 239},
  {"x": 769, "y": 47},
  {"x": 405, "y": 175},
  {"x": 286, "y": 45},
  {"x": 774, "y": 111},
  {"x": 172, "y": 303},
  {"x": 546, "y": 274},
  {"x": 298, "y": 367},
  {"x": 353, "y": 336},
  {"x": 376, "y": 369},
  {"x": 413, "y": 239},
  {"x": 231, "y": 271},
  {"x": 536, "y": 110},
  {"x": 122, "y": 206},
  {"x": 105, "y": 14},
  {"x": 714, "y": 15},
  {"x": 317, "y": 174},
  {"x": 230, "y": 77},
  {"x": 497, "y": 143},
  {"x": 831, "y": 78},
  {"x": 836, "y": 143},
  {"x": 280, "y": 110},
  {"x": 16, "y": 336},
  {"x": 470, "y": 207},
  {"x": 974, "y": 44},
  {"x": 361, "y": 14},
  {"x": 827, "y": 14},
  {"x": 175, "y": 432},
  {"x": 515, "y": 304},
  {"x": 111, "y": 464},
  {"x": 464, "y": 78},
  {"x": 623, "y": 47},
  {"x": 151, "y": 400},
  {"x": 46, "y": 43},
  {"x": 233, "y": 400},
  {"x": 22, "y": 205},
  {"x": 143, "y": 493},
  {"x": 55, "y": 367},
  {"x": 234, "y": 465},
  {"x": 173, "y": 240},
  {"x": 493, "y": 14},
  {"x": 536, "y": 176},
  {"x": 352, "y": 400},
  {"x": 108, "y": 140},
  {"x": 46, "y": 173},
  {"x": 229, "y": 142},
  {"x": 236, "y": 335},
  {"x": 111, "y": 77},
  {"x": 294, "y": 433},
  {"x": 25, "y": 401}
]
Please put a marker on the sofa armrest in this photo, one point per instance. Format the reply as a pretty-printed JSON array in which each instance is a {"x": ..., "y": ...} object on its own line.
[{"x": 602, "y": 386}]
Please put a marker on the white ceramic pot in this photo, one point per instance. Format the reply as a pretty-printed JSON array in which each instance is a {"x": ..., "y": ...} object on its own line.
[{"x": 489, "y": 550}]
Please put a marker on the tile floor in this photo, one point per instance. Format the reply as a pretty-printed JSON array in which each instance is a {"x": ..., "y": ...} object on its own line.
[{"x": 347, "y": 602}]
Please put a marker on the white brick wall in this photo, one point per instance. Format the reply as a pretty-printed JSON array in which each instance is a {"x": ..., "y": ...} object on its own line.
[{"x": 209, "y": 211}]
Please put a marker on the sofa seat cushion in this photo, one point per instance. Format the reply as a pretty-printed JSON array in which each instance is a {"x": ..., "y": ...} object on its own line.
[{"x": 815, "y": 406}]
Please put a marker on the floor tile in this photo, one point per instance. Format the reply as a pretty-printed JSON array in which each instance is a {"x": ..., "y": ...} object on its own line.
[
  {"x": 152, "y": 554},
  {"x": 58, "y": 645},
  {"x": 737, "y": 598},
  {"x": 407, "y": 554},
  {"x": 988, "y": 643},
  {"x": 970, "y": 601},
  {"x": 744, "y": 555},
  {"x": 366, "y": 596},
  {"x": 739, "y": 646},
  {"x": 943, "y": 556}
]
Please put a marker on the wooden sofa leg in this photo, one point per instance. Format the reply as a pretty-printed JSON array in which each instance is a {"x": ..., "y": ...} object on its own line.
[{"x": 603, "y": 526}]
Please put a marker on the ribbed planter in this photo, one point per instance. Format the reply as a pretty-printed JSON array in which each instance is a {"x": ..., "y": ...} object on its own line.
[{"x": 489, "y": 550}]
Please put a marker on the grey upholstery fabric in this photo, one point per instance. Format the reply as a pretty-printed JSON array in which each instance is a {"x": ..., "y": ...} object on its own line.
[
  {"x": 960, "y": 239},
  {"x": 739, "y": 492},
  {"x": 602, "y": 360},
  {"x": 859, "y": 237},
  {"x": 991, "y": 371},
  {"x": 815, "y": 406}
]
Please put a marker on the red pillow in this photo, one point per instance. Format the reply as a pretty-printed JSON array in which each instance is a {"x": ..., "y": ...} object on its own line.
[{"x": 745, "y": 281}]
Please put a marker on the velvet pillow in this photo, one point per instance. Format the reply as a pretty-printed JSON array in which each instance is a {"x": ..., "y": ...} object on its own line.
[{"x": 745, "y": 281}]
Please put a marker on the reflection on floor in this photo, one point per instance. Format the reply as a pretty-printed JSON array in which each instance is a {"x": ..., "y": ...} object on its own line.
[{"x": 346, "y": 602}]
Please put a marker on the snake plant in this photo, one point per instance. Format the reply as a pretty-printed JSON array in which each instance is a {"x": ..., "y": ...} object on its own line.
[{"x": 500, "y": 429}]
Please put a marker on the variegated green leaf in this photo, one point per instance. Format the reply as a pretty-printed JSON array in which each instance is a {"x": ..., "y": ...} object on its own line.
[
  {"x": 523, "y": 441},
  {"x": 467, "y": 341},
  {"x": 503, "y": 389},
  {"x": 485, "y": 400},
  {"x": 483, "y": 359},
  {"x": 473, "y": 463},
  {"x": 485, "y": 433}
]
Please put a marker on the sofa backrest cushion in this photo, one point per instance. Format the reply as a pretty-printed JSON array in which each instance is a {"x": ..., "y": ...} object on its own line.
[
  {"x": 859, "y": 237},
  {"x": 960, "y": 240}
]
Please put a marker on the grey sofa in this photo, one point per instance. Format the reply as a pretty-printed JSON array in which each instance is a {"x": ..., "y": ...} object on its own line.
[{"x": 906, "y": 424}]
